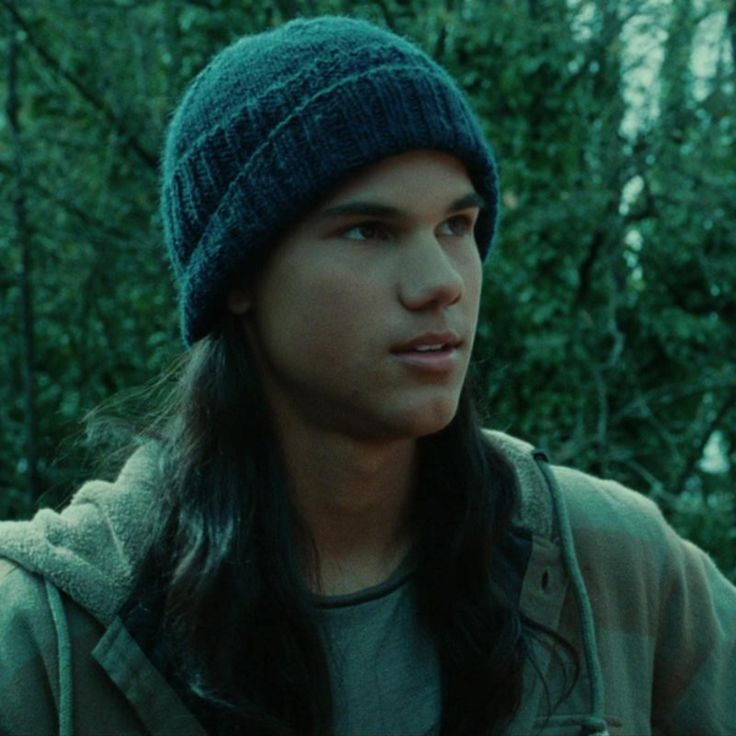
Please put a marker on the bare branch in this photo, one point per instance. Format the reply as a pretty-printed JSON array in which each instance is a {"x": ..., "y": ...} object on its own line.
[
  {"x": 669, "y": 393},
  {"x": 97, "y": 102},
  {"x": 697, "y": 451},
  {"x": 107, "y": 228}
]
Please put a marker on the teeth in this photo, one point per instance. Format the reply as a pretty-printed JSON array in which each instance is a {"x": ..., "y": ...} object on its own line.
[{"x": 427, "y": 348}]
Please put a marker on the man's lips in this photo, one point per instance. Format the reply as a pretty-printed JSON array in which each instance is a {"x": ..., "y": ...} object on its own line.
[
  {"x": 433, "y": 361},
  {"x": 446, "y": 339}
]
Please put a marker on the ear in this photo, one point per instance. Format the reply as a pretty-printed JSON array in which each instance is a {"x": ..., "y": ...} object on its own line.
[{"x": 239, "y": 301}]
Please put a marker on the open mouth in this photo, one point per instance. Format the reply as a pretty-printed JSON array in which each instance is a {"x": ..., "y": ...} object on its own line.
[{"x": 439, "y": 359}]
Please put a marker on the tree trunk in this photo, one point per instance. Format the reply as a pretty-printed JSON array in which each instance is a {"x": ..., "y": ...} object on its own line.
[
  {"x": 731, "y": 27},
  {"x": 25, "y": 279}
]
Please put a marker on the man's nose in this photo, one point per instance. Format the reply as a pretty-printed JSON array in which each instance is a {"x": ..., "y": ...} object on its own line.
[{"x": 429, "y": 277}]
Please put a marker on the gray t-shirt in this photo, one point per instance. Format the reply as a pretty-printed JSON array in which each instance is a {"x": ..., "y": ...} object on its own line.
[{"x": 384, "y": 667}]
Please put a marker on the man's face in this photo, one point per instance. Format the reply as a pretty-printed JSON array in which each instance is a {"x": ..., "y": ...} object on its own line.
[{"x": 389, "y": 258}]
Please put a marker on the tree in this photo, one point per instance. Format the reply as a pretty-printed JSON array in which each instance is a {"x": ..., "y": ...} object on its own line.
[{"x": 607, "y": 326}]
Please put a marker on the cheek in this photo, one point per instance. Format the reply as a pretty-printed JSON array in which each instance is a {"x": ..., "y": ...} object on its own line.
[
  {"x": 470, "y": 267},
  {"x": 323, "y": 316},
  {"x": 477, "y": 286}
]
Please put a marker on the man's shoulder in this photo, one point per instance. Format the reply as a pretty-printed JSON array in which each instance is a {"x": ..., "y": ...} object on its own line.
[
  {"x": 622, "y": 539},
  {"x": 21, "y": 592},
  {"x": 91, "y": 549},
  {"x": 28, "y": 647},
  {"x": 607, "y": 504},
  {"x": 591, "y": 503},
  {"x": 27, "y": 634}
]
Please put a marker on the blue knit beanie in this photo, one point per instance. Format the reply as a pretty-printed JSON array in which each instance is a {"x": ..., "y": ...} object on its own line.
[{"x": 275, "y": 122}]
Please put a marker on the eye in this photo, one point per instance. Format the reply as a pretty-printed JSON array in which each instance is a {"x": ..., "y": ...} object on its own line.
[
  {"x": 367, "y": 231},
  {"x": 459, "y": 225}
]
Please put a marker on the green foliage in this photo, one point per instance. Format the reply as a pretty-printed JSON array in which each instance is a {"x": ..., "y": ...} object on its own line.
[
  {"x": 607, "y": 326},
  {"x": 709, "y": 519}
]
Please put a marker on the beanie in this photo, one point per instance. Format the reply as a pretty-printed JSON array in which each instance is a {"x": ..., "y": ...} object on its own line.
[{"x": 275, "y": 122}]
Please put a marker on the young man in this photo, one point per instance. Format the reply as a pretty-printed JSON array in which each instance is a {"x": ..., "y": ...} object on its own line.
[{"x": 320, "y": 538}]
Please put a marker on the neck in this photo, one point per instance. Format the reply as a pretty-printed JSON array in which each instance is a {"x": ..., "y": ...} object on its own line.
[{"x": 356, "y": 498}]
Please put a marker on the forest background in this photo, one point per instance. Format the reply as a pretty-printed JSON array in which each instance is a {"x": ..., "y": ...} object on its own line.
[{"x": 607, "y": 331}]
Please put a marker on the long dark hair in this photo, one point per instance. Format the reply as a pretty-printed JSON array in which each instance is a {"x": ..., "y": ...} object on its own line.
[{"x": 229, "y": 550}]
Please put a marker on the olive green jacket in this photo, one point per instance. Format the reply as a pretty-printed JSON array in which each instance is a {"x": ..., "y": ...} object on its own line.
[{"x": 652, "y": 618}]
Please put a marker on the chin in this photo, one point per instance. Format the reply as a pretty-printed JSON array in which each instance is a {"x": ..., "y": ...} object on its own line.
[{"x": 432, "y": 417}]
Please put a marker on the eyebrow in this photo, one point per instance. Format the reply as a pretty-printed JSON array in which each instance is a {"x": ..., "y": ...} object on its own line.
[{"x": 378, "y": 209}]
